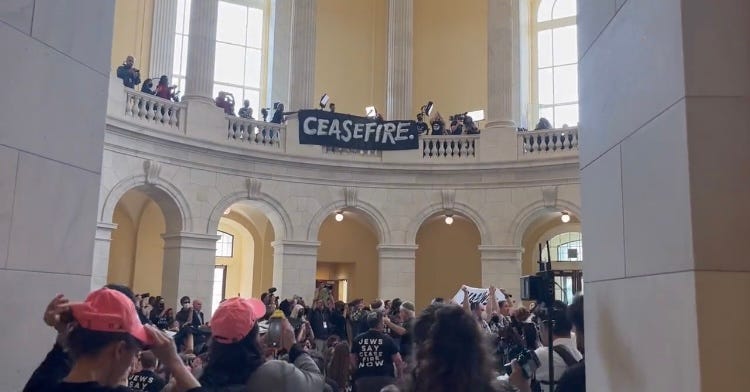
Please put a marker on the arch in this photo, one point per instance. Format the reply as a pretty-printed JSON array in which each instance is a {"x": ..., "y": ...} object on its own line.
[
  {"x": 438, "y": 208},
  {"x": 373, "y": 215},
  {"x": 170, "y": 199},
  {"x": 532, "y": 212},
  {"x": 280, "y": 220}
]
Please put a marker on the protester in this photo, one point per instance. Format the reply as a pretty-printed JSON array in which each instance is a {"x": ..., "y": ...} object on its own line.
[
  {"x": 235, "y": 357},
  {"x": 146, "y": 380},
  {"x": 339, "y": 368},
  {"x": 375, "y": 357},
  {"x": 246, "y": 111},
  {"x": 103, "y": 334},
  {"x": 130, "y": 75},
  {"x": 320, "y": 321},
  {"x": 164, "y": 90}
]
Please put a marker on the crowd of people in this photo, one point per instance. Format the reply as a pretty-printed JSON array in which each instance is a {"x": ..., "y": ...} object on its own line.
[
  {"x": 118, "y": 341},
  {"x": 131, "y": 77}
]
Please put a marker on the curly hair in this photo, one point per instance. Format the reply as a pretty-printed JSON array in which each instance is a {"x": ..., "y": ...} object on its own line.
[{"x": 453, "y": 354}]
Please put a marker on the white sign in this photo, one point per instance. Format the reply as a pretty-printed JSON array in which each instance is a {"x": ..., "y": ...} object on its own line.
[{"x": 477, "y": 294}]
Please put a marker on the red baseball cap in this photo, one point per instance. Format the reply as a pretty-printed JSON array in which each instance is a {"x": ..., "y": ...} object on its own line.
[
  {"x": 106, "y": 310},
  {"x": 235, "y": 318}
]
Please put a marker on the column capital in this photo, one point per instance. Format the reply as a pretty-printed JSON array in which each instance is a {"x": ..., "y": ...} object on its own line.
[
  {"x": 300, "y": 248},
  {"x": 189, "y": 240},
  {"x": 398, "y": 248},
  {"x": 500, "y": 253}
]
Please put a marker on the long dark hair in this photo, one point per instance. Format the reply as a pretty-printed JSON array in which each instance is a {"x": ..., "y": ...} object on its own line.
[
  {"x": 338, "y": 369},
  {"x": 232, "y": 364},
  {"x": 452, "y": 356}
]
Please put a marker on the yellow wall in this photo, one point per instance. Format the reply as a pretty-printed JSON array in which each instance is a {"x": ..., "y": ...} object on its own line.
[
  {"x": 350, "y": 241},
  {"x": 450, "y": 55},
  {"x": 239, "y": 280},
  {"x": 149, "y": 254},
  {"x": 122, "y": 249},
  {"x": 350, "y": 53},
  {"x": 132, "y": 33},
  {"x": 447, "y": 257}
]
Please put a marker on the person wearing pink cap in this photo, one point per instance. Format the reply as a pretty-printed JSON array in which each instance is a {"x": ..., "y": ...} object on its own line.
[
  {"x": 103, "y": 335},
  {"x": 236, "y": 360}
]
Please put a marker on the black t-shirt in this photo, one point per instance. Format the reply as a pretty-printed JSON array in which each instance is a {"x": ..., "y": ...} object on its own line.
[
  {"x": 146, "y": 381},
  {"x": 573, "y": 380},
  {"x": 422, "y": 127},
  {"x": 374, "y": 352},
  {"x": 406, "y": 339}
]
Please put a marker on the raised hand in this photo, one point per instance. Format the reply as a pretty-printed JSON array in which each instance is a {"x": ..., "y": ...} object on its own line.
[{"x": 55, "y": 308}]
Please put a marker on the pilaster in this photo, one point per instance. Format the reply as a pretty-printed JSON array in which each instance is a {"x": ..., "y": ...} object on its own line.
[
  {"x": 396, "y": 271},
  {"x": 189, "y": 262},
  {"x": 102, "y": 242},
  {"x": 294, "y": 265},
  {"x": 501, "y": 267}
]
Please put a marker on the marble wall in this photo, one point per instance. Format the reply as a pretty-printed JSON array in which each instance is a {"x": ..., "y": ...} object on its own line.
[{"x": 55, "y": 62}]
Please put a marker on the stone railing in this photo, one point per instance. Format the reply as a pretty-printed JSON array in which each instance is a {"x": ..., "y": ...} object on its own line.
[
  {"x": 256, "y": 133},
  {"x": 452, "y": 147},
  {"x": 153, "y": 111},
  {"x": 548, "y": 141}
]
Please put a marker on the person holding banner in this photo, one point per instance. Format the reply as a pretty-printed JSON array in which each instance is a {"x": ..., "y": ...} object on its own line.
[{"x": 476, "y": 309}]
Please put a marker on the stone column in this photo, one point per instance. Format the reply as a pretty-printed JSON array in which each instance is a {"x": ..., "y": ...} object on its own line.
[
  {"x": 162, "y": 38},
  {"x": 302, "y": 58},
  {"x": 279, "y": 48},
  {"x": 664, "y": 196},
  {"x": 189, "y": 261},
  {"x": 294, "y": 265},
  {"x": 503, "y": 87},
  {"x": 199, "y": 82},
  {"x": 396, "y": 271},
  {"x": 501, "y": 267},
  {"x": 400, "y": 54},
  {"x": 102, "y": 242}
]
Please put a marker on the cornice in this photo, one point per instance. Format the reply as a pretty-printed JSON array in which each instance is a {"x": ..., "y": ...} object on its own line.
[{"x": 179, "y": 150}]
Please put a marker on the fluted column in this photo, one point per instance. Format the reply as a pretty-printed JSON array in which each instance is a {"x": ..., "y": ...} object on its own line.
[
  {"x": 162, "y": 38},
  {"x": 201, "y": 50},
  {"x": 400, "y": 54},
  {"x": 302, "y": 58},
  {"x": 279, "y": 47},
  {"x": 501, "y": 53}
]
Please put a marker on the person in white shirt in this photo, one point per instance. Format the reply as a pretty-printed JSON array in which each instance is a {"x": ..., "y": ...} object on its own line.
[{"x": 565, "y": 352}]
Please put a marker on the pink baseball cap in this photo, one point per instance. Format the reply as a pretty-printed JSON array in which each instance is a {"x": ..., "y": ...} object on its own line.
[
  {"x": 235, "y": 318},
  {"x": 106, "y": 310}
]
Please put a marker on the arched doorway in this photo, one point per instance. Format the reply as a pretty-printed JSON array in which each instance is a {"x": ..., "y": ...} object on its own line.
[
  {"x": 136, "y": 254},
  {"x": 348, "y": 255},
  {"x": 565, "y": 251},
  {"x": 244, "y": 255},
  {"x": 447, "y": 257}
]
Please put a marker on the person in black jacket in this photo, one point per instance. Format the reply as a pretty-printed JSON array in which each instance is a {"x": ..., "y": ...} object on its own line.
[{"x": 130, "y": 75}]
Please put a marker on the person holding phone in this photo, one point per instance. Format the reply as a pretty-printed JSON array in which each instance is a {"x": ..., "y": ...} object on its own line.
[{"x": 236, "y": 358}]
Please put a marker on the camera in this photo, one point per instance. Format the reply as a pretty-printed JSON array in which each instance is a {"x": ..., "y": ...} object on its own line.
[{"x": 527, "y": 361}]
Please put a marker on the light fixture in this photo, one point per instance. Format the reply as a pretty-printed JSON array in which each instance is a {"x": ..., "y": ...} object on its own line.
[
  {"x": 565, "y": 217},
  {"x": 449, "y": 219},
  {"x": 477, "y": 115},
  {"x": 228, "y": 210},
  {"x": 370, "y": 111},
  {"x": 339, "y": 216}
]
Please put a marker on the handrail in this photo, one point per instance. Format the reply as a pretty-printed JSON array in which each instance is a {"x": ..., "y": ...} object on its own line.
[
  {"x": 449, "y": 146},
  {"x": 547, "y": 141},
  {"x": 154, "y": 110},
  {"x": 257, "y": 133}
]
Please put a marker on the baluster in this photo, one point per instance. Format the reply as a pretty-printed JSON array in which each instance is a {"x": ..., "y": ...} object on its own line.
[
  {"x": 558, "y": 143},
  {"x": 449, "y": 148},
  {"x": 158, "y": 115},
  {"x": 441, "y": 149},
  {"x": 129, "y": 105},
  {"x": 574, "y": 142},
  {"x": 526, "y": 145},
  {"x": 544, "y": 142},
  {"x": 471, "y": 147},
  {"x": 173, "y": 117}
]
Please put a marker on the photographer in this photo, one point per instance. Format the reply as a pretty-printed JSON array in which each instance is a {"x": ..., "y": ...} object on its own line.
[
  {"x": 320, "y": 321},
  {"x": 457, "y": 124},
  {"x": 130, "y": 76},
  {"x": 164, "y": 90},
  {"x": 421, "y": 125},
  {"x": 225, "y": 101},
  {"x": 470, "y": 126}
]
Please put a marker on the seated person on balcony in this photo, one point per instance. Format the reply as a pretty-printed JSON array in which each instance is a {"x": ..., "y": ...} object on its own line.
[
  {"x": 438, "y": 125},
  {"x": 543, "y": 124},
  {"x": 164, "y": 90},
  {"x": 421, "y": 125},
  {"x": 225, "y": 101},
  {"x": 246, "y": 111},
  {"x": 457, "y": 124},
  {"x": 470, "y": 126},
  {"x": 130, "y": 76},
  {"x": 148, "y": 87}
]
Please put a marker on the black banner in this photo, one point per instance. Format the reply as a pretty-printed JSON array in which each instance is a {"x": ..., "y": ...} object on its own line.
[{"x": 358, "y": 133}]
